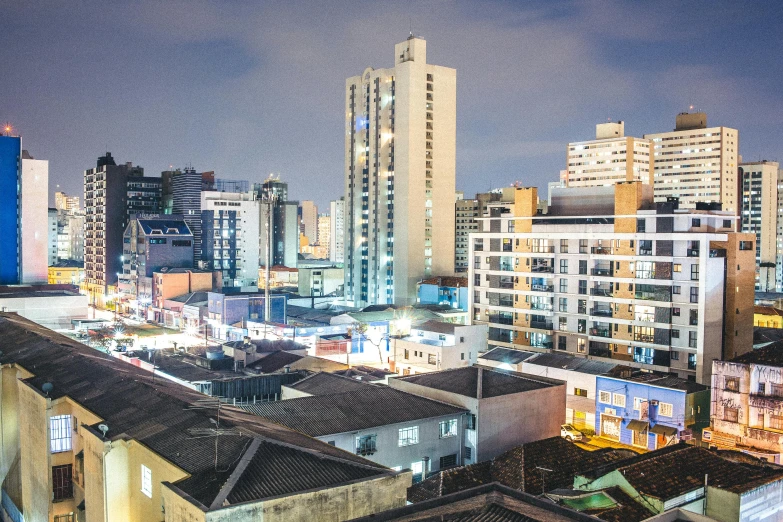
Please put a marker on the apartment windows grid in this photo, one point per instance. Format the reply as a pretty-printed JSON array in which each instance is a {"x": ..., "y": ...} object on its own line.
[
  {"x": 146, "y": 480},
  {"x": 62, "y": 482},
  {"x": 60, "y": 433},
  {"x": 447, "y": 428},
  {"x": 408, "y": 436}
]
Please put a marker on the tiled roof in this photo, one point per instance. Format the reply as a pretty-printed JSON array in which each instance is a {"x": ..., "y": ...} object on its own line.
[
  {"x": 192, "y": 297},
  {"x": 368, "y": 407},
  {"x": 506, "y": 355},
  {"x": 517, "y": 469},
  {"x": 365, "y": 373},
  {"x": 275, "y": 361},
  {"x": 464, "y": 381},
  {"x": 323, "y": 383},
  {"x": 160, "y": 414},
  {"x": 767, "y": 310},
  {"x": 770, "y": 355}
]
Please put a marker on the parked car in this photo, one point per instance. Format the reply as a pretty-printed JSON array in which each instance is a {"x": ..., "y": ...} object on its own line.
[{"x": 570, "y": 433}]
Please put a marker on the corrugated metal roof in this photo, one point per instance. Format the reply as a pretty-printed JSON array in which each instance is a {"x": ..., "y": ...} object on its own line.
[
  {"x": 323, "y": 383},
  {"x": 507, "y": 355},
  {"x": 464, "y": 381}
]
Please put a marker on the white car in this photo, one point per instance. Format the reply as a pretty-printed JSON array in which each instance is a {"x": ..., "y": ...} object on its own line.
[{"x": 570, "y": 433}]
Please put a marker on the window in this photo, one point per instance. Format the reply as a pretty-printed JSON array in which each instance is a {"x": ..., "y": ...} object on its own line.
[
  {"x": 468, "y": 452},
  {"x": 694, "y": 272},
  {"x": 562, "y": 342},
  {"x": 677, "y": 267},
  {"x": 693, "y": 340},
  {"x": 726, "y": 223},
  {"x": 563, "y": 304},
  {"x": 431, "y": 359},
  {"x": 583, "y": 266},
  {"x": 694, "y": 294},
  {"x": 582, "y": 286},
  {"x": 447, "y": 428},
  {"x": 564, "y": 286},
  {"x": 409, "y": 436},
  {"x": 675, "y": 289},
  {"x": 563, "y": 246},
  {"x": 731, "y": 414},
  {"x": 471, "y": 422},
  {"x": 366, "y": 445},
  {"x": 762, "y": 389},
  {"x": 62, "y": 482},
  {"x": 665, "y": 409},
  {"x": 407, "y": 354},
  {"x": 582, "y": 246},
  {"x": 146, "y": 480},
  {"x": 676, "y": 312},
  {"x": 580, "y": 392},
  {"x": 60, "y": 428},
  {"x": 691, "y": 361},
  {"x": 462, "y": 356},
  {"x": 637, "y": 403},
  {"x": 562, "y": 324},
  {"x": 448, "y": 461},
  {"x": 694, "y": 317},
  {"x": 731, "y": 384},
  {"x": 696, "y": 222},
  {"x": 580, "y": 345},
  {"x": 746, "y": 245},
  {"x": 564, "y": 266},
  {"x": 775, "y": 421},
  {"x": 581, "y": 326},
  {"x": 641, "y": 225},
  {"x": 618, "y": 399},
  {"x": 675, "y": 355},
  {"x": 604, "y": 397},
  {"x": 581, "y": 307},
  {"x": 776, "y": 390}
]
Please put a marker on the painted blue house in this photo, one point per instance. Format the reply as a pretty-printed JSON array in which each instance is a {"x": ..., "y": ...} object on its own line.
[
  {"x": 649, "y": 411},
  {"x": 451, "y": 291}
]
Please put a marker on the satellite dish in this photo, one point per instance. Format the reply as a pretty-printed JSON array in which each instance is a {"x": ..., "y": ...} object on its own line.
[
  {"x": 47, "y": 388},
  {"x": 104, "y": 428}
]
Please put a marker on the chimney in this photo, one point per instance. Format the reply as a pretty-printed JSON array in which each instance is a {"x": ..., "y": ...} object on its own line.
[
  {"x": 480, "y": 383},
  {"x": 425, "y": 463}
]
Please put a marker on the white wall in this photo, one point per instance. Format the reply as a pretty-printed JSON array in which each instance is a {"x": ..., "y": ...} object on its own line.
[
  {"x": 53, "y": 312},
  {"x": 35, "y": 220}
]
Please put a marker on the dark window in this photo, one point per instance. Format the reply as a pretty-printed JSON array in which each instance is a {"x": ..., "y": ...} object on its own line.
[
  {"x": 583, "y": 286},
  {"x": 158, "y": 241},
  {"x": 676, "y": 312},
  {"x": 580, "y": 392},
  {"x": 694, "y": 294},
  {"x": 471, "y": 424},
  {"x": 696, "y": 222},
  {"x": 62, "y": 482},
  {"x": 561, "y": 342},
  {"x": 726, "y": 223},
  {"x": 182, "y": 242},
  {"x": 675, "y": 355},
  {"x": 746, "y": 245},
  {"x": 583, "y": 266},
  {"x": 694, "y": 272},
  {"x": 564, "y": 266},
  {"x": 640, "y": 225},
  {"x": 366, "y": 445},
  {"x": 468, "y": 453},
  {"x": 448, "y": 461}
]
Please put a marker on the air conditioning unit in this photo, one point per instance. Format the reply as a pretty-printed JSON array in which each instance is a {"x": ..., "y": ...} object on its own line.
[{"x": 653, "y": 403}]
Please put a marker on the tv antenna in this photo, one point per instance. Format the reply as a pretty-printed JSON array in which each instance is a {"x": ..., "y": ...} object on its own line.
[{"x": 214, "y": 431}]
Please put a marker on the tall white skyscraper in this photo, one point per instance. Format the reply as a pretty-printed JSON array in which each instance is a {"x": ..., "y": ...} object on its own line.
[
  {"x": 337, "y": 231},
  {"x": 400, "y": 140},
  {"x": 696, "y": 163}
]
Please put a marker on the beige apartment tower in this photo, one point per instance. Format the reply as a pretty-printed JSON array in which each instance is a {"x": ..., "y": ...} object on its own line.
[
  {"x": 696, "y": 163},
  {"x": 760, "y": 216},
  {"x": 400, "y": 140}
]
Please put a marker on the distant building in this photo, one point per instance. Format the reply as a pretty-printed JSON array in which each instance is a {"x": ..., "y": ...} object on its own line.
[
  {"x": 229, "y": 309},
  {"x": 279, "y": 276},
  {"x": 467, "y": 213},
  {"x": 229, "y": 225},
  {"x": 51, "y": 248},
  {"x": 309, "y": 221},
  {"x": 65, "y": 203},
  {"x": 67, "y": 272},
  {"x": 182, "y": 195},
  {"x": 52, "y": 308},
  {"x": 759, "y": 215},
  {"x": 696, "y": 163},
  {"x": 237, "y": 186},
  {"x": 169, "y": 282},
  {"x": 281, "y": 217},
  {"x": 497, "y": 402},
  {"x": 451, "y": 291},
  {"x": 337, "y": 231},
  {"x": 324, "y": 229},
  {"x": 400, "y": 154}
]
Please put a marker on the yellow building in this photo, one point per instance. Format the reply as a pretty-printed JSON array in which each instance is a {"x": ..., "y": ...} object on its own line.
[
  {"x": 66, "y": 273},
  {"x": 767, "y": 317},
  {"x": 89, "y": 437}
]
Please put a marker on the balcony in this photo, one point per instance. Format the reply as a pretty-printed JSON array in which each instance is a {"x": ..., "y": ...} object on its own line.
[
  {"x": 543, "y": 249},
  {"x": 602, "y": 272},
  {"x": 547, "y": 307},
  {"x": 542, "y": 325},
  {"x": 601, "y": 332},
  {"x": 644, "y": 337},
  {"x": 505, "y": 267},
  {"x": 501, "y": 319},
  {"x": 542, "y": 344},
  {"x": 601, "y": 250},
  {"x": 598, "y": 349},
  {"x": 602, "y": 292},
  {"x": 692, "y": 252},
  {"x": 542, "y": 269},
  {"x": 602, "y": 312},
  {"x": 542, "y": 288}
]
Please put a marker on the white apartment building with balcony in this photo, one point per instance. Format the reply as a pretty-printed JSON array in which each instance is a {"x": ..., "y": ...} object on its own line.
[
  {"x": 400, "y": 154},
  {"x": 696, "y": 163},
  {"x": 610, "y": 275},
  {"x": 610, "y": 158}
]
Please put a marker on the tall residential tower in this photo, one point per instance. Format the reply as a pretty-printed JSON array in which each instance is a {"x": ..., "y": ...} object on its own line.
[{"x": 400, "y": 137}]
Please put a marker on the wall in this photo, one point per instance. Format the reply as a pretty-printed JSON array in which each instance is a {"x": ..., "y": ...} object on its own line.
[
  {"x": 722, "y": 505},
  {"x": 34, "y": 454},
  {"x": 35, "y": 220},
  {"x": 51, "y": 311}
]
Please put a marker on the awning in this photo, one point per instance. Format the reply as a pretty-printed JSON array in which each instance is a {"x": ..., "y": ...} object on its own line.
[
  {"x": 637, "y": 425},
  {"x": 661, "y": 429}
]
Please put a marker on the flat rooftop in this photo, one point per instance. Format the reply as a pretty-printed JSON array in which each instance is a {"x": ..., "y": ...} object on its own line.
[
  {"x": 494, "y": 383},
  {"x": 770, "y": 355}
]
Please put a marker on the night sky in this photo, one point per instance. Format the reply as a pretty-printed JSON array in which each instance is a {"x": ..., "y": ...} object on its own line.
[{"x": 246, "y": 88}]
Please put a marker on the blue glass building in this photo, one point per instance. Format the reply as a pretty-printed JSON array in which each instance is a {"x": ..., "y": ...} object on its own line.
[{"x": 10, "y": 185}]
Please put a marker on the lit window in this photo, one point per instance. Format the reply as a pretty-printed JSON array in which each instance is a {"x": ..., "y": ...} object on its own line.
[
  {"x": 409, "y": 436},
  {"x": 146, "y": 480},
  {"x": 665, "y": 409},
  {"x": 604, "y": 397},
  {"x": 60, "y": 428},
  {"x": 448, "y": 428}
]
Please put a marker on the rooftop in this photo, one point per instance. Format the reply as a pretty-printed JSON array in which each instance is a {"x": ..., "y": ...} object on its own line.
[
  {"x": 368, "y": 407},
  {"x": 165, "y": 227},
  {"x": 663, "y": 381},
  {"x": 277, "y": 361},
  {"x": 365, "y": 373},
  {"x": 162, "y": 417},
  {"x": 437, "y": 327},
  {"x": 323, "y": 383},
  {"x": 447, "y": 281},
  {"x": 675, "y": 470},
  {"x": 464, "y": 381},
  {"x": 770, "y": 355},
  {"x": 767, "y": 310},
  {"x": 192, "y": 297},
  {"x": 569, "y": 362},
  {"x": 177, "y": 270},
  {"x": 506, "y": 355},
  {"x": 68, "y": 263}
]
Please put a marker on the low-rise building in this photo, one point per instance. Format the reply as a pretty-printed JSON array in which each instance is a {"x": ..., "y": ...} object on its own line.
[
  {"x": 578, "y": 373},
  {"x": 279, "y": 277},
  {"x": 321, "y": 383},
  {"x": 450, "y": 291},
  {"x": 67, "y": 272},
  {"x": 747, "y": 403},
  {"x": 230, "y": 308},
  {"x": 320, "y": 281},
  {"x": 506, "y": 409},
  {"x": 169, "y": 282},
  {"x": 87, "y": 436},
  {"x": 50, "y": 307},
  {"x": 396, "y": 429},
  {"x": 434, "y": 345},
  {"x": 650, "y": 411}
]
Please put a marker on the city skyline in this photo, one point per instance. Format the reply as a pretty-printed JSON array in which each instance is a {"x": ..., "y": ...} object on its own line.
[{"x": 240, "y": 89}]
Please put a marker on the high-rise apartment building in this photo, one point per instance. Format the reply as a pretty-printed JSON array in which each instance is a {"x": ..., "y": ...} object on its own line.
[
  {"x": 611, "y": 275},
  {"x": 696, "y": 163},
  {"x": 759, "y": 216},
  {"x": 65, "y": 203},
  {"x": 108, "y": 202},
  {"x": 399, "y": 176},
  {"x": 282, "y": 218},
  {"x": 324, "y": 229},
  {"x": 230, "y": 236},
  {"x": 467, "y": 213},
  {"x": 309, "y": 221},
  {"x": 609, "y": 158},
  {"x": 51, "y": 243},
  {"x": 337, "y": 231},
  {"x": 182, "y": 195}
]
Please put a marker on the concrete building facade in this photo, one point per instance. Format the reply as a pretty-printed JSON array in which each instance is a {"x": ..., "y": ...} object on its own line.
[
  {"x": 609, "y": 274},
  {"x": 400, "y": 143},
  {"x": 435, "y": 345},
  {"x": 696, "y": 163},
  {"x": 34, "y": 223},
  {"x": 466, "y": 215},
  {"x": 320, "y": 281},
  {"x": 337, "y": 231},
  {"x": 309, "y": 221},
  {"x": 759, "y": 215}
]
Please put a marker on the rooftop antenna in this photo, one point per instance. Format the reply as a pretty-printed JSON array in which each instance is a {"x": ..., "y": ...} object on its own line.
[{"x": 215, "y": 431}]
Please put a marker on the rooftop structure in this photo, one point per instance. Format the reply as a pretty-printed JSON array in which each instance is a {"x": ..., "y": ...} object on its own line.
[{"x": 479, "y": 383}]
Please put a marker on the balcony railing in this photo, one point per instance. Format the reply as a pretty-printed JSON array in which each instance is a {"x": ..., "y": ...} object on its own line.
[
  {"x": 541, "y": 306},
  {"x": 507, "y": 284},
  {"x": 542, "y": 344},
  {"x": 498, "y": 319},
  {"x": 543, "y": 249},
  {"x": 542, "y": 269},
  {"x": 541, "y": 325},
  {"x": 604, "y": 292},
  {"x": 507, "y": 268},
  {"x": 601, "y": 332},
  {"x": 542, "y": 288},
  {"x": 644, "y": 338},
  {"x": 603, "y": 312},
  {"x": 602, "y": 272},
  {"x": 601, "y": 250},
  {"x": 692, "y": 252}
]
